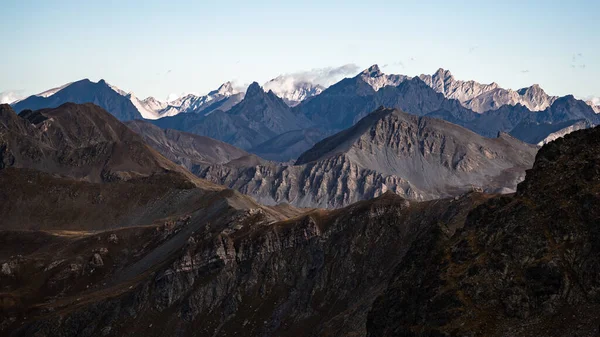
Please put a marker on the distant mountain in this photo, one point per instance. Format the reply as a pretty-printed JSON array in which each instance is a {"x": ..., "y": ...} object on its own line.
[
  {"x": 84, "y": 91},
  {"x": 472, "y": 95},
  {"x": 259, "y": 117},
  {"x": 484, "y": 97},
  {"x": 346, "y": 102},
  {"x": 565, "y": 131},
  {"x": 419, "y": 158},
  {"x": 595, "y": 104},
  {"x": 289, "y": 145},
  {"x": 223, "y": 98},
  {"x": 188, "y": 150},
  {"x": 377, "y": 80},
  {"x": 291, "y": 90},
  {"x": 107, "y": 96}
]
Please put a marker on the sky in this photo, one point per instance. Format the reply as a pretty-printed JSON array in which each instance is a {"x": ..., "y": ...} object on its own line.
[{"x": 158, "y": 48}]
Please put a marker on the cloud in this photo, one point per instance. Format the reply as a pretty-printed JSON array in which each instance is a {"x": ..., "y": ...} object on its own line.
[
  {"x": 10, "y": 96},
  {"x": 321, "y": 76},
  {"x": 171, "y": 97},
  {"x": 595, "y": 100}
]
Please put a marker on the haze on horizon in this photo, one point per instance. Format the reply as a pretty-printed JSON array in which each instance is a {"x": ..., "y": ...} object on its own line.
[{"x": 157, "y": 48}]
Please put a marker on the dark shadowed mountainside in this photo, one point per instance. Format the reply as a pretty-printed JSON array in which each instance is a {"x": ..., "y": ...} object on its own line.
[
  {"x": 191, "y": 151},
  {"x": 523, "y": 265}
]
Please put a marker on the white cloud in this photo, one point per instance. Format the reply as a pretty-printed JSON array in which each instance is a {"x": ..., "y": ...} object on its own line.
[
  {"x": 10, "y": 96},
  {"x": 594, "y": 100},
  {"x": 172, "y": 97},
  {"x": 318, "y": 76}
]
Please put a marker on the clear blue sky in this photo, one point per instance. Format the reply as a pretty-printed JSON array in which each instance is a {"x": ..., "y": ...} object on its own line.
[{"x": 161, "y": 47}]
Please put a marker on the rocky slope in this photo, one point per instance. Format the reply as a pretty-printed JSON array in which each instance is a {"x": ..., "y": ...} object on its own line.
[
  {"x": 236, "y": 274},
  {"x": 419, "y": 158},
  {"x": 188, "y": 150},
  {"x": 78, "y": 167},
  {"x": 523, "y": 265},
  {"x": 79, "y": 141}
]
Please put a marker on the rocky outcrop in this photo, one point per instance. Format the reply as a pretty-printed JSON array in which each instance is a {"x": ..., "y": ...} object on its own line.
[{"x": 523, "y": 265}]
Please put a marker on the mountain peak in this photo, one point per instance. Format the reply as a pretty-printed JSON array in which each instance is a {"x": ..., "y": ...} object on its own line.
[
  {"x": 372, "y": 71},
  {"x": 226, "y": 89},
  {"x": 443, "y": 73},
  {"x": 254, "y": 89}
]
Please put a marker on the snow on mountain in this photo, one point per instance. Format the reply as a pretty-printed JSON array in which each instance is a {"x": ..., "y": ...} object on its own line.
[
  {"x": 145, "y": 110},
  {"x": 296, "y": 87},
  {"x": 471, "y": 94},
  {"x": 594, "y": 102},
  {"x": 53, "y": 91},
  {"x": 10, "y": 97},
  {"x": 203, "y": 104},
  {"x": 292, "y": 90},
  {"x": 151, "y": 108}
]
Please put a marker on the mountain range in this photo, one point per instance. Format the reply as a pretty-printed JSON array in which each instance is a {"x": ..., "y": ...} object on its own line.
[
  {"x": 285, "y": 118},
  {"x": 102, "y": 235}
]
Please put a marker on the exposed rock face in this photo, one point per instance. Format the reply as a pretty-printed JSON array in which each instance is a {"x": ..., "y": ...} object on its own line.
[
  {"x": 188, "y": 150},
  {"x": 523, "y": 265},
  {"x": 315, "y": 275},
  {"x": 419, "y": 158}
]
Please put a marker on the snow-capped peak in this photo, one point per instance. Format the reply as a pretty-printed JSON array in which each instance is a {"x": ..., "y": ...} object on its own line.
[
  {"x": 594, "y": 102},
  {"x": 53, "y": 91},
  {"x": 226, "y": 89},
  {"x": 291, "y": 89}
]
